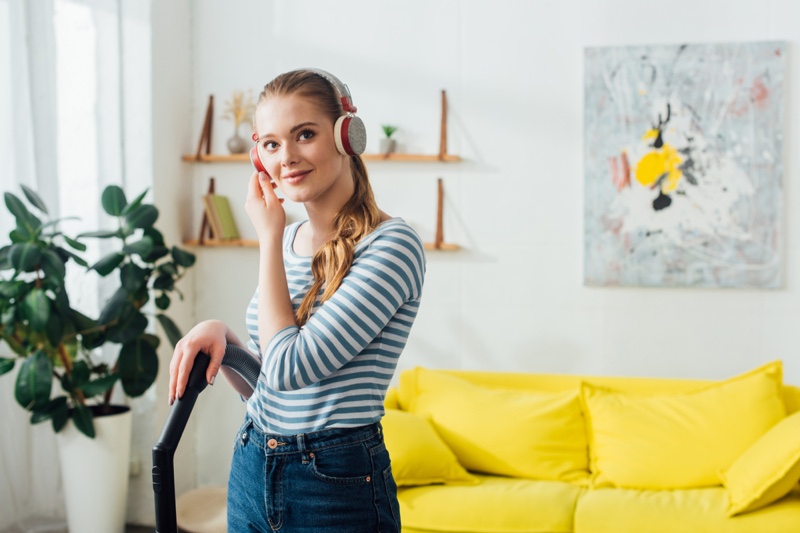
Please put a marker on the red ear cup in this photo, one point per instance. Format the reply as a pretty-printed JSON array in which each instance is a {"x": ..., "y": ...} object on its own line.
[
  {"x": 350, "y": 135},
  {"x": 256, "y": 160}
]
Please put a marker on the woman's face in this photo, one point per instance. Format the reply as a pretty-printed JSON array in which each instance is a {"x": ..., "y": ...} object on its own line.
[{"x": 297, "y": 148}]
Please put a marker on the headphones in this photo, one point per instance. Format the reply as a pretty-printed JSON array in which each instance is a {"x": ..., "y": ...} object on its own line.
[{"x": 349, "y": 132}]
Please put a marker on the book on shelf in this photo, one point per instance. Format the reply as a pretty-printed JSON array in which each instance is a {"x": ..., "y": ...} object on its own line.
[{"x": 220, "y": 217}]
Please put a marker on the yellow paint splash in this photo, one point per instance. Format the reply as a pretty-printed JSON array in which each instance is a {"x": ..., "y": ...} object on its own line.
[{"x": 655, "y": 164}]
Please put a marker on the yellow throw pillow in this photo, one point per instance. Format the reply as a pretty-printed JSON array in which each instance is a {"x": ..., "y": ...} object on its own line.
[
  {"x": 767, "y": 471},
  {"x": 419, "y": 457},
  {"x": 671, "y": 441},
  {"x": 505, "y": 432}
]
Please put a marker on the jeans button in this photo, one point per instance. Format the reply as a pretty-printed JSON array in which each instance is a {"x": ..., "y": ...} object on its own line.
[{"x": 272, "y": 444}]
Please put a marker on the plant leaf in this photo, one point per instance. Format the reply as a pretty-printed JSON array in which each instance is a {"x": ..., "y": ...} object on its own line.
[
  {"x": 75, "y": 244},
  {"x": 143, "y": 216},
  {"x": 6, "y": 364},
  {"x": 25, "y": 256},
  {"x": 134, "y": 204},
  {"x": 78, "y": 259},
  {"x": 133, "y": 277},
  {"x": 34, "y": 199},
  {"x": 182, "y": 257},
  {"x": 60, "y": 417},
  {"x": 154, "y": 234},
  {"x": 54, "y": 329},
  {"x": 80, "y": 374},
  {"x": 115, "y": 307},
  {"x": 84, "y": 420},
  {"x": 53, "y": 406},
  {"x": 113, "y": 200},
  {"x": 5, "y": 260},
  {"x": 138, "y": 367},
  {"x": 157, "y": 253},
  {"x": 142, "y": 247},
  {"x": 36, "y": 307},
  {"x": 53, "y": 266},
  {"x": 100, "y": 385},
  {"x": 164, "y": 282},
  {"x": 128, "y": 330},
  {"x": 173, "y": 332},
  {"x": 100, "y": 234},
  {"x": 17, "y": 208},
  {"x": 34, "y": 381},
  {"x": 107, "y": 264},
  {"x": 152, "y": 340},
  {"x": 163, "y": 301}
]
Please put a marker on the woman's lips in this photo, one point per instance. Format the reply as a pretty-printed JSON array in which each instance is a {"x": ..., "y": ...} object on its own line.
[{"x": 296, "y": 177}]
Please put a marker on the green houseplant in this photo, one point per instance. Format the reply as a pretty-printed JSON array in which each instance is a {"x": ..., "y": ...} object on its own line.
[{"x": 56, "y": 343}]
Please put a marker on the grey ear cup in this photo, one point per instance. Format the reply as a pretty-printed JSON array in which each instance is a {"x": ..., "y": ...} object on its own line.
[
  {"x": 358, "y": 136},
  {"x": 350, "y": 135}
]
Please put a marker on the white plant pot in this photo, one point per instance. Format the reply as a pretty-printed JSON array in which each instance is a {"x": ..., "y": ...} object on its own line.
[
  {"x": 95, "y": 474},
  {"x": 387, "y": 146}
]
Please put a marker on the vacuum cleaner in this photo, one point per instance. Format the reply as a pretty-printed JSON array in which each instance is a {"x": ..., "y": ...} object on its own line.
[{"x": 238, "y": 360}]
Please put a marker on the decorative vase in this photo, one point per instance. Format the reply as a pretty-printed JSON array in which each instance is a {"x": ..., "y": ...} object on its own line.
[
  {"x": 95, "y": 473},
  {"x": 236, "y": 144},
  {"x": 387, "y": 145}
]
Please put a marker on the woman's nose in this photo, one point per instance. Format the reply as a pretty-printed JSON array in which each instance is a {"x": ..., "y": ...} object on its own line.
[{"x": 289, "y": 155}]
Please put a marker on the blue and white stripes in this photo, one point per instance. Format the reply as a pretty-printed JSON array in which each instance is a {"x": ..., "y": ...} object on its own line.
[{"x": 334, "y": 371}]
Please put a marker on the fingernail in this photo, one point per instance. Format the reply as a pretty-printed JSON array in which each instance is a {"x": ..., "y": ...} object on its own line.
[
  {"x": 262, "y": 176},
  {"x": 171, "y": 400},
  {"x": 213, "y": 379}
]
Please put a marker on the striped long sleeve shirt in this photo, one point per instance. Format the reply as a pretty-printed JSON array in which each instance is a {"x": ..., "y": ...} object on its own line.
[{"x": 335, "y": 370}]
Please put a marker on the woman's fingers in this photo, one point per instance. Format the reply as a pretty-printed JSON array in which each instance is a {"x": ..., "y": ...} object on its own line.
[
  {"x": 184, "y": 368},
  {"x": 267, "y": 187}
]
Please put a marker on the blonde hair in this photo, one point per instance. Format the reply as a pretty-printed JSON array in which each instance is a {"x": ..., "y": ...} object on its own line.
[{"x": 360, "y": 214}]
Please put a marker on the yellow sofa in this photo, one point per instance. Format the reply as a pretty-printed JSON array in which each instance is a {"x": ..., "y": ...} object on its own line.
[{"x": 491, "y": 452}]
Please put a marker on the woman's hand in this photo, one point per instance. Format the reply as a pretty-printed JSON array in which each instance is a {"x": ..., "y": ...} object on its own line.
[
  {"x": 209, "y": 337},
  {"x": 264, "y": 207}
]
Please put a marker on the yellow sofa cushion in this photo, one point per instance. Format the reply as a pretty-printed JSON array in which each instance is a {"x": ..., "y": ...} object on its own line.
[
  {"x": 669, "y": 441},
  {"x": 497, "y": 505},
  {"x": 419, "y": 457},
  {"x": 512, "y": 433},
  {"x": 678, "y": 511},
  {"x": 767, "y": 471}
]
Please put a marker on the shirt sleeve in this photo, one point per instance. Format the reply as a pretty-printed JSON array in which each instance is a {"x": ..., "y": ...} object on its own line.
[{"x": 388, "y": 272}]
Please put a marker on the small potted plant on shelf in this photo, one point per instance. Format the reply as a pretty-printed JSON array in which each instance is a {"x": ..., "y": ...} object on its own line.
[
  {"x": 238, "y": 109},
  {"x": 58, "y": 344},
  {"x": 388, "y": 144}
]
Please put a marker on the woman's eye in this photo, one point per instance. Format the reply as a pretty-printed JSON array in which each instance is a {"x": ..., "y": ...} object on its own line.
[
  {"x": 306, "y": 135},
  {"x": 270, "y": 145}
]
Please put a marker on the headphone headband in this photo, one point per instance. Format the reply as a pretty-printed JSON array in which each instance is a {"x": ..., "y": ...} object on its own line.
[{"x": 341, "y": 88}]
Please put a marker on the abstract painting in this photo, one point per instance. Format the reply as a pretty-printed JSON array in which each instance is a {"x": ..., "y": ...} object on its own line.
[{"x": 683, "y": 165}]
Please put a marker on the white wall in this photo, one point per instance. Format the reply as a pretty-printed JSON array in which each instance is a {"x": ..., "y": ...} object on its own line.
[{"x": 513, "y": 298}]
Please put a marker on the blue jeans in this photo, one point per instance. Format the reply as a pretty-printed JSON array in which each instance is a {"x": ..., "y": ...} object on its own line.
[{"x": 334, "y": 480}]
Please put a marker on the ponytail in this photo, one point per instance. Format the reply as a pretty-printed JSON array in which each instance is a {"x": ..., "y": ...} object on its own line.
[{"x": 330, "y": 264}]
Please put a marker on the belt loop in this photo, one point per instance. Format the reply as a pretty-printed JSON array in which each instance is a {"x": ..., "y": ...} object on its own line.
[{"x": 301, "y": 447}]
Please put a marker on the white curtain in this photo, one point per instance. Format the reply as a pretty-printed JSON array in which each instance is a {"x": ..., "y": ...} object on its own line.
[{"x": 62, "y": 134}]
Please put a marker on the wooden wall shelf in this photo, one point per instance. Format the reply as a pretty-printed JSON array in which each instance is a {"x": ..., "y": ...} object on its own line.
[
  {"x": 245, "y": 158},
  {"x": 213, "y": 243},
  {"x": 244, "y": 243},
  {"x": 203, "y": 154}
]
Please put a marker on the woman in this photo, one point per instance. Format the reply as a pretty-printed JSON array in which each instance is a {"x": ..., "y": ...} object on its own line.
[{"x": 336, "y": 298}]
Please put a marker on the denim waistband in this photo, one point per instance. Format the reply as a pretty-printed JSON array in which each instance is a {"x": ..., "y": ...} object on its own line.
[{"x": 308, "y": 442}]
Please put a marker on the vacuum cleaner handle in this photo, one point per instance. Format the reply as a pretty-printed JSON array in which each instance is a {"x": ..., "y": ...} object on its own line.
[
  {"x": 164, "y": 450},
  {"x": 242, "y": 362}
]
